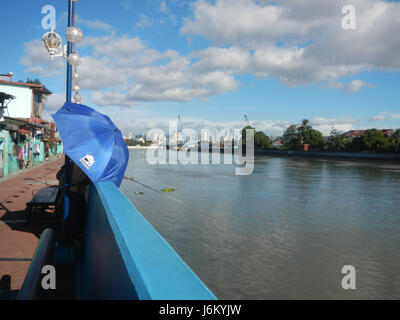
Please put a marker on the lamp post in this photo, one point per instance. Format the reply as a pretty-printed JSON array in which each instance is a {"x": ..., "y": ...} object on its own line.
[{"x": 53, "y": 43}]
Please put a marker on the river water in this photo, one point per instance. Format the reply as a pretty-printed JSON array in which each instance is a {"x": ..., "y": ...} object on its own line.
[{"x": 284, "y": 232}]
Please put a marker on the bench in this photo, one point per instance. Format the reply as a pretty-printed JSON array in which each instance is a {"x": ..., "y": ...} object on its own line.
[{"x": 44, "y": 199}]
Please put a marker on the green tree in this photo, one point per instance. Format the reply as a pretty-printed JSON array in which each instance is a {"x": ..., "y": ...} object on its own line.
[
  {"x": 289, "y": 139},
  {"x": 261, "y": 140},
  {"x": 244, "y": 133},
  {"x": 374, "y": 140},
  {"x": 355, "y": 145},
  {"x": 314, "y": 138},
  {"x": 33, "y": 81},
  {"x": 337, "y": 141},
  {"x": 395, "y": 141},
  {"x": 303, "y": 132}
]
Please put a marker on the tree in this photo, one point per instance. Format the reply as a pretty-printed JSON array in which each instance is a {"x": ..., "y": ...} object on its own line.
[
  {"x": 302, "y": 134},
  {"x": 337, "y": 141},
  {"x": 289, "y": 138},
  {"x": 244, "y": 133},
  {"x": 33, "y": 81},
  {"x": 355, "y": 145},
  {"x": 261, "y": 140},
  {"x": 303, "y": 131},
  {"x": 374, "y": 140},
  {"x": 314, "y": 138},
  {"x": 395, "y": 141}
]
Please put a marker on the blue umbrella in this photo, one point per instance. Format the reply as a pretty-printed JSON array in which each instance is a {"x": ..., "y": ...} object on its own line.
[{"x": 93, "y": 142}]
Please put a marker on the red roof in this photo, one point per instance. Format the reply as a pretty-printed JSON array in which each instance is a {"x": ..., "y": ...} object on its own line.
[
  {"x": 21, "y": 83},
  {"x": 30, "y": 85},
  {"x": 359, "y": 133},
  {"x": 354, "y": 133},
  {"x": 386, "y": 132}
]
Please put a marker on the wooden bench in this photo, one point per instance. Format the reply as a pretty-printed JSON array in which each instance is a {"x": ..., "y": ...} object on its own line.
[{"x": 44, "y": 199}]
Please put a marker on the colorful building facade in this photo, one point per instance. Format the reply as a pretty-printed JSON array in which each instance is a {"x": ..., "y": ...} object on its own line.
[{"x": 25, "y": 138}]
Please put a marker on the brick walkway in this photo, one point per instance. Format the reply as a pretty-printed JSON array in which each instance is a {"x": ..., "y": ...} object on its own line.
[{"x": 16, "y": 241}]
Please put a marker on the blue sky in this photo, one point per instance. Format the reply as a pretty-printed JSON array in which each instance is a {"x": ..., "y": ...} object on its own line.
[{"x": 146, "y": 62}]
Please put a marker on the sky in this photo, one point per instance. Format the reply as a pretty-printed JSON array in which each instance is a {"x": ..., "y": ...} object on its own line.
[{"x": 144, "y": 62}]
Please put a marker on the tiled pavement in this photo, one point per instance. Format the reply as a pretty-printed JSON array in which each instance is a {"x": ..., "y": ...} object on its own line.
[{"x": 16, "y": 241}]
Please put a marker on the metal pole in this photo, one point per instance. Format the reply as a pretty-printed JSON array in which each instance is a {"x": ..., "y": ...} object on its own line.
[
  {"x": 67, "y": 168},
  {"x": 71, "y": 10}
]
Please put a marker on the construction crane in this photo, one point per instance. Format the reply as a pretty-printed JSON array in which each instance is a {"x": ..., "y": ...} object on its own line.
[
  {"x": 180, "y": 124},
  {"x": 247, "y": 120}
]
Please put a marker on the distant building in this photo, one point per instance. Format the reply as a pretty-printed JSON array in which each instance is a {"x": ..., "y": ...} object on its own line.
[
  {"x": 358, "y": 133},
  {"x": 277, "y": 143},
  {"x": 28, "y": 102},
  {"x": 387, "y": 132},
  {"x": 353, "y": 134}
]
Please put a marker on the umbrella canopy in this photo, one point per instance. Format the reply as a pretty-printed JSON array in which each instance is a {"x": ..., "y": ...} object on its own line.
[{"x": 93, "y": 142}]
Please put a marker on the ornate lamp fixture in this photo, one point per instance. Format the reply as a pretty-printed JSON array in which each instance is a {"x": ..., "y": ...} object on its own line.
[{"x": 53, "y": 43}]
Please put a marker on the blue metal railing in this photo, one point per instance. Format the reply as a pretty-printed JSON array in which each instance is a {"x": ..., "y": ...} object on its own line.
[
  {"x": 32, "y": 289},
  {"x": 126, "y": 258}
]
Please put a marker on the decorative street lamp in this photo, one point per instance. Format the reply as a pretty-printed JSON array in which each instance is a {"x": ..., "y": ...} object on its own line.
[{"x": 53, "y": 43}]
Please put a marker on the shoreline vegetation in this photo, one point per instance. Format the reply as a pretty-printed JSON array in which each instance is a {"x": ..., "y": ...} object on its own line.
[
  {"x": 331, "y": 154},
  {"x": 303, "y": 140},
  {"x": 299, "y": 153}
]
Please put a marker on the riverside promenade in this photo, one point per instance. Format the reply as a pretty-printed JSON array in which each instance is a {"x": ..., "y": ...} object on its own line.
[{"x": 17, "y": 242}]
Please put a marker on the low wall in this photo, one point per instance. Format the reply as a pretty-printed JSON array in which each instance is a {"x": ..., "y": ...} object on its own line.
[
  {"x": 126, "y": 258},
  {"x": 351, "y": 155}
]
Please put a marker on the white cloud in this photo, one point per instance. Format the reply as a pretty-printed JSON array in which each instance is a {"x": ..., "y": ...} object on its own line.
[
  {"x": 356, "y": 85},
  {"x": 179, "y": 94},
  {"x": 54, "y": 102},
  {"x": 272, "y": 128},
  {"x": 378, "y": 118},
  {"x": 233, "y": 59},
  {"x": 163, "y": 7},
  {"x": 144, "y": 21},
  {"x": 239, "y": 22},
  {"x": 115, "y": 98},
  {"x": 126, "y": 4},
  {"x": 37, "y": 60},
  {"x": 97, "y": 24},
  {"x": 325, "y": 125},
  {"x": 297, "y": 42},
  {"x": 302, "y": 42},
  {"x": 353, "y": 86},
  {"x": 142, "y": 125},
  {"x": 216, "y": 81},
  {"x": 100, "y": 73},
  {"x": 119, "y": 48}
]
